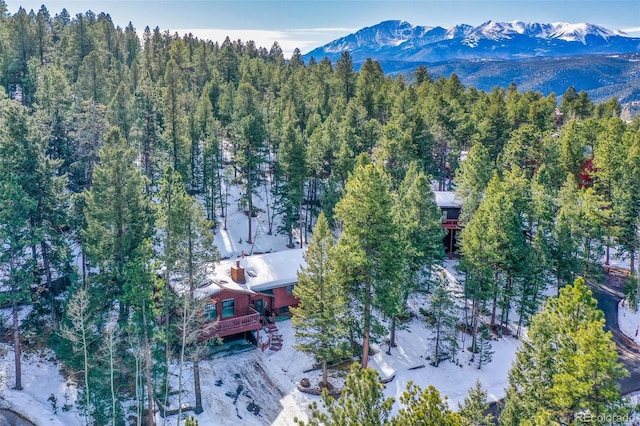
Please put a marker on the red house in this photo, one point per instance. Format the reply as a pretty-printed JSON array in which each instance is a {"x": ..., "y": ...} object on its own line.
[
  {"x": 241, "y": 292},
  {"x": 450, "y": 206}
]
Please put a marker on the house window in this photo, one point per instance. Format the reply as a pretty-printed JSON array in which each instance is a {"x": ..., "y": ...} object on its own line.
[
  {"x": 211, "y": 311},
  {"x": 289, "y": 289},
  {"x": 228, "y": 308}
]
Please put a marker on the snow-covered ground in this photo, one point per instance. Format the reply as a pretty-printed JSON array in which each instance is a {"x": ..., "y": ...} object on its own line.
[
  {"x": 618, "y": 259},
  {"x": 233, "y": 241},
  {"x": 452, "y": 380},
  {"x": 634, "y": 401},
  {"x": 258, "y": 388},
  {"x": 41, "y": 378},
  {"x": 629, "y": 321}
]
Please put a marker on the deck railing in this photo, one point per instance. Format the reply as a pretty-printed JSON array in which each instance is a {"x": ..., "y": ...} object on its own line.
[
  {"x": 450, "y": 223},
  {"x": 232, "y": 325}
]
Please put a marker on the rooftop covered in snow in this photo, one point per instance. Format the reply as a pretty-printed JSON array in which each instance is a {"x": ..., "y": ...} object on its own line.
[
  {"x": 447, "y": 199},
  {"x": 262, "y": 272}
]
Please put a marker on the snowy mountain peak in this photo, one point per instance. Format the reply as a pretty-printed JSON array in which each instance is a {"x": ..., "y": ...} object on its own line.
[
  {"x": 493, "y": 30},
  {"x": 401, "y": 41},
  {"x": 578, "y": 32}
]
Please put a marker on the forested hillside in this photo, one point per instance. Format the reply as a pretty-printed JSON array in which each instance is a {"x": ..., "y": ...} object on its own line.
[{"x": 113, "y": 149}]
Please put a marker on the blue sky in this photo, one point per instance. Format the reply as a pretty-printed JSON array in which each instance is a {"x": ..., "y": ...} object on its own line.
[{"x": 310, "y": 23}]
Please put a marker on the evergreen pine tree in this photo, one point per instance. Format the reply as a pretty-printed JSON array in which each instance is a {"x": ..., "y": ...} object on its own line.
[
  {"x": 367, "y": 251},
  {"x": 199, "y": 254},
  {"x": 15, "y": 259},
  {"x": 291, "y": 172},
  {"x": 118, "y": 219},
  {"x": 345, "y": 77},
  {"x": 626, "y": 196},
  {"x": 318, "y": 320},
  {"x": 485, "y": 351},
  {"x": 567, "y": 365},
  {"x": 208, "y": 128},
  {"x": 424, "y": 408},
  {"x": 475, "y": 406},
  {"x": 360, "y": 403},
  {"x": 174, "y": 120},
  {"x": 172, "y": 224},
  {"x": 420, "y": 224},
  {"x": 442, "y": 311},
  {"x": 472, "y": 178},
  {"x": 249, "y": 138}
]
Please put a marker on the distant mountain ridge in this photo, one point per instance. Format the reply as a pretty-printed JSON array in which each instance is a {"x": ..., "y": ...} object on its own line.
[
  {"x": 536, "y": 56},
  {"x": 400, "y": 40}
]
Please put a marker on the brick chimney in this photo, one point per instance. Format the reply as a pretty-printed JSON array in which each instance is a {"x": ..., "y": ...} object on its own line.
[{"x": 237, "y": 273}]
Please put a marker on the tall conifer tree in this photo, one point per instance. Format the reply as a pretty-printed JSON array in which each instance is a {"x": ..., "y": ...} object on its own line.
[
  {"x": 367, "y": 259},
  {"x": 319, "y": 319},
  {"x": 567, "y": 365},
  {"x": 118, "y": 218}
]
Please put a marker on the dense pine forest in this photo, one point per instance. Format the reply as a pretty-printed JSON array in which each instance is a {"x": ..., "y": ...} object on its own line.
[{"x": 117, "y": 149}]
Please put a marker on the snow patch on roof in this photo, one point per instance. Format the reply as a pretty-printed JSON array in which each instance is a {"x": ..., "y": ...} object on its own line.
[
  {"x": 262, "y": 272},
  {"x": 447, "y": 199}
]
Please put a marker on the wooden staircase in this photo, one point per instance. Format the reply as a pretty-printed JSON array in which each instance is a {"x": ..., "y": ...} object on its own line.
[{"x": 275, "y": 338}]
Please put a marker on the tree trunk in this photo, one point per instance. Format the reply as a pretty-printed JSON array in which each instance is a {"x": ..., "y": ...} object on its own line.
[
  {"x": 85, "y": 351},
  {"x": 84, "y": 269},
  {"x": 325, "y": 374},
  {"x": 301, "y": 224},
  {"x": 47, "y": 273},
  {"x": 167, "y": 344},
  {"x": 494, "y": 304},
  {"x": 219, "y": 184},
  {"x": 367, "y": 326},
  {"x": 16, "y": 342},
  {"x": 196, "y": 382},
  {"x": 207, "y": 188},
  {"x": 365, "y": 348},
  {"x": 466, "y": 320},
  {"x": 392, "y": 335},
  {"x": 474, "y": 328},
  {"x": 504, "y": 318},
  {"x": 111, "y": 381},
  {"x": 307, "y": 210},
  {"x": 182, "y": 349},
  {"x": 269, "y": 216},
  {"x": 147, "y": 356},
  {"x": 495, "y": 299},
  {"x": 250, "y": 203}
]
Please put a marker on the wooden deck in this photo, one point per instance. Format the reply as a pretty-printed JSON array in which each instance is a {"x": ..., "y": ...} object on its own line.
[
  {"x": 230, "y": 326},
  {"x": 450, "y": 224}
]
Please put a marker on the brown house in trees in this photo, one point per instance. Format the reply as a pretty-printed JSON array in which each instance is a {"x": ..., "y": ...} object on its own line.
[
  {"x": 450, "y": 206},
  {"x": 240, "y": 294}
]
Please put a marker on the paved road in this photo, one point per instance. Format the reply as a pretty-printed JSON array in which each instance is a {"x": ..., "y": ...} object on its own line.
[{"x": 608, "y": 295}]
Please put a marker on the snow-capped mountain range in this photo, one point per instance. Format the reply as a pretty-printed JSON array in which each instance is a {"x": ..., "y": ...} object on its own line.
[
  {"x": 402, "y": 41},
  {"x": 542, "y": 57}
]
